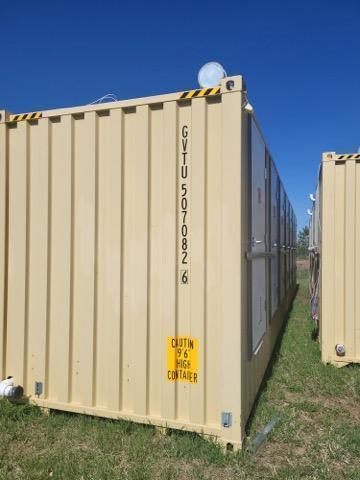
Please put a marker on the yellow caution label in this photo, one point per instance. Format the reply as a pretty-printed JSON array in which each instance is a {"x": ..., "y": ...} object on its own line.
[
  {"x": 204, "y": 92},
  {"x": 182, "y": 359},
  {"x": 352, "y": 156},
  {"x": 25, "y": 116}
]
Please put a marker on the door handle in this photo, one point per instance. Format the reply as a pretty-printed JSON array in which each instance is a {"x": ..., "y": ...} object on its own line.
[{"x": 255, "y": 242}]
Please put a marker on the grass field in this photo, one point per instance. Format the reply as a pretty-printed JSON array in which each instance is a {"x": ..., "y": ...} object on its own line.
[{"x": 318, "y": 436}]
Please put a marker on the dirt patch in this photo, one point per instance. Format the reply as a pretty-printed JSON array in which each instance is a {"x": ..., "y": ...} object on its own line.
[
  {"x": 302, "y": 264},
  {"x": 349, "y": 405},
  {"x": 290, "y": 396},
  {"x": 272, "y": 455}
]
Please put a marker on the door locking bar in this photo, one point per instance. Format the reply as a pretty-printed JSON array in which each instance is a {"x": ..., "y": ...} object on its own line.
[{"x": 253, "y": 255}]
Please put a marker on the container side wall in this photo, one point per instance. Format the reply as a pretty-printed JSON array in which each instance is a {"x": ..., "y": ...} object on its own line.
[
  {"x": 255, "y": 362},
  {"x": 339, "y": 260}
]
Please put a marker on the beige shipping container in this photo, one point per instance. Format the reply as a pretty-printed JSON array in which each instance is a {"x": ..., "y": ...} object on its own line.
[
  {"x": 137, "y": 266},
  {"x": 335, "y": 258}
]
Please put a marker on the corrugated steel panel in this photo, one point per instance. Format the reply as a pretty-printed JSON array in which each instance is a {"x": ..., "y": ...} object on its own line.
[
  {"x": 339, "y": 235},
  {"x": 123, "y": 241}
]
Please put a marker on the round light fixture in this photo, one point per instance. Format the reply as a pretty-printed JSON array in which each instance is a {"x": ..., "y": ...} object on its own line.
[{"x": 211, "y": 74}]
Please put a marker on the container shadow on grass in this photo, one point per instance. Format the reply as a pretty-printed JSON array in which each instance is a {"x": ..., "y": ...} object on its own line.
[
  {"x": 272, "y": 362},
  {"x": 315, "y": 334},
  {"x": 185, "y": 439}
]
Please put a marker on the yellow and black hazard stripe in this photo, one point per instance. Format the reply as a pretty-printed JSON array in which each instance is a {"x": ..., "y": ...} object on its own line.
[
  {"x": 204, "y": 92},
  {"x": 349, "y": 157},
  {"x": 25, "y": 116}
]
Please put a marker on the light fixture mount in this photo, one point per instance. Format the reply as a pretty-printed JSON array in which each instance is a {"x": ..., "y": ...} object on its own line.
[{"x": 211, "y": 74}]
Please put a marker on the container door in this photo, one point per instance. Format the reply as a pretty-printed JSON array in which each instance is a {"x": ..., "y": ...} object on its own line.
[
  {"x": 289, "y": 244},
  {"x": 274, "y": 238},
  {"x": 288, "y": 228},
  {"x": 294, "y": 248},
  {"x": 258, "y": 247},
  {"x": 282, "y": 243},
  {"x": 291, "y": 247}
]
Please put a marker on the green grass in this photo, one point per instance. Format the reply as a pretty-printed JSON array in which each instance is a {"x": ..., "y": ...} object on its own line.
[{"x": 318, "y": 436}]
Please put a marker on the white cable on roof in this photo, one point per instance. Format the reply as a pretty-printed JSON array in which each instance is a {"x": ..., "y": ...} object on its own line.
[{"x": 109, "y": 96}]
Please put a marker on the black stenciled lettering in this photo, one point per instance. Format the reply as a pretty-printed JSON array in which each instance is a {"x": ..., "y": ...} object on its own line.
[
  {"x": 184, "y": 277},
  {"x": 184, "y": 203},
  {"x": 184, "y": 171}
]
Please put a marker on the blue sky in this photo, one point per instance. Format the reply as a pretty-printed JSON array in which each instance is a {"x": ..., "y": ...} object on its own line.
[{"x": 300, "y": 61}]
